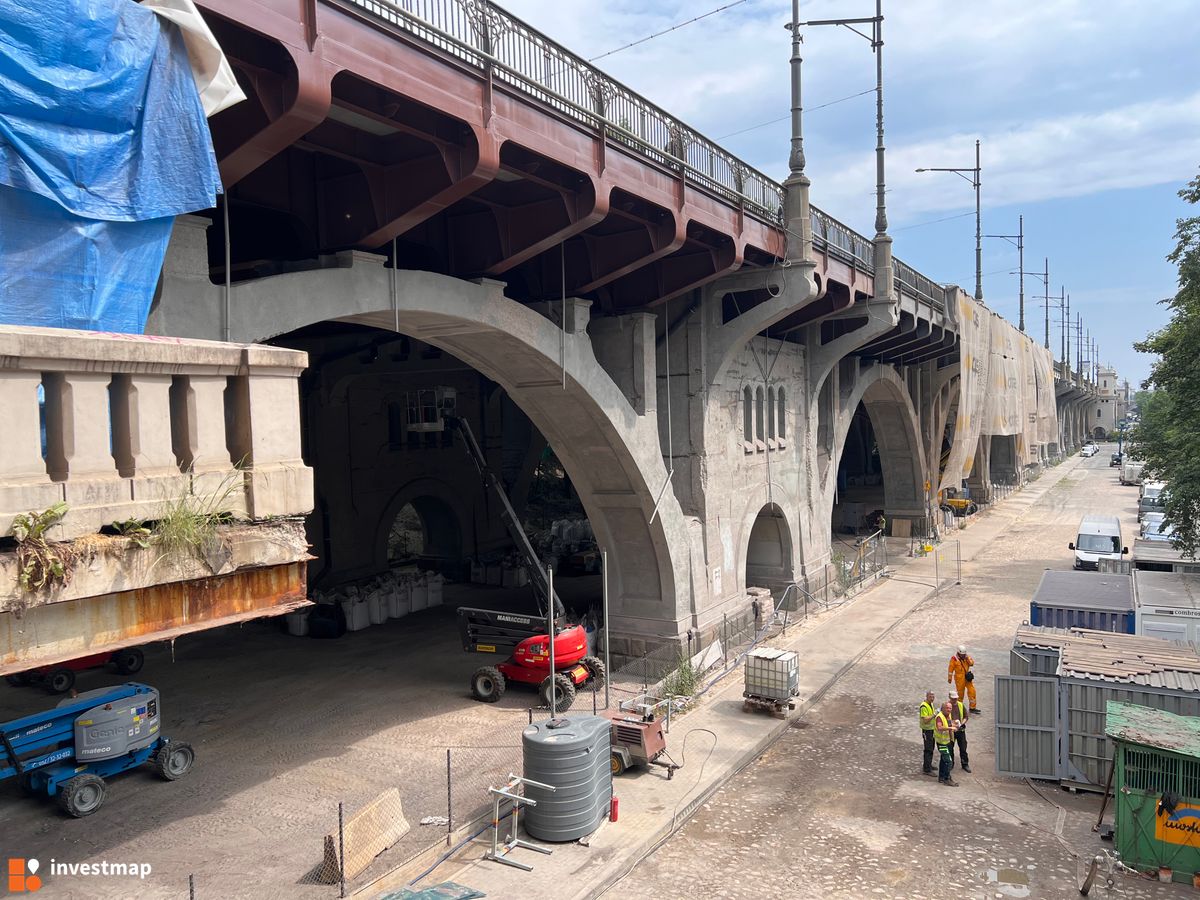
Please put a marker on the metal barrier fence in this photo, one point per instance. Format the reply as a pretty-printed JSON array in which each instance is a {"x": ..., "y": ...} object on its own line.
[
  {"x": 683, "y": 671},
  {"x": 491, "y": 39}
]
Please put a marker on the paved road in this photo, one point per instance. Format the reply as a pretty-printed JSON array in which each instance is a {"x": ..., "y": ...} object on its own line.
[{"x": 838, "y": 807}]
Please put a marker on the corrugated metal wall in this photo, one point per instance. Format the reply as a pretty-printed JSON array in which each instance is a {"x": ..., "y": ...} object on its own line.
[
  {"x": 1018, "y": 664},
  {"x": 1120, "y": 622},
  {"x": 1088, "y": 749},
  {"x": 1027, "y": 726}
]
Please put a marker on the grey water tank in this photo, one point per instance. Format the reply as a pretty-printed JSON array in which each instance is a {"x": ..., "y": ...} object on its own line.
[{"x": 572, "y": 754}]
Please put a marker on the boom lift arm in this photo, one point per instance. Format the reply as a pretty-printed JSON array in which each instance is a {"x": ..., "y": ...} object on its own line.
[{"x": 537, "y": 575}]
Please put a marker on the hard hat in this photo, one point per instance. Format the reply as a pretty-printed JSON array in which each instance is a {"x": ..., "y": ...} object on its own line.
[
  {"x": 962, "y": 648},
  {"x": 954, "y": 695}
]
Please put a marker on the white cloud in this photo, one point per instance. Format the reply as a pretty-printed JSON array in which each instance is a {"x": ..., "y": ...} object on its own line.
[{"x": 1131, "y": 146}]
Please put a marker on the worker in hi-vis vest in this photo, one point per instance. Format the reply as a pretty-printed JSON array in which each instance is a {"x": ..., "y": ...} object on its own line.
[
  {"x": 958, "y": 713},
  {"x": 960, "y": 675},
  {"x": 943, "y": 734},
  {"x": 927, "y": 713}
]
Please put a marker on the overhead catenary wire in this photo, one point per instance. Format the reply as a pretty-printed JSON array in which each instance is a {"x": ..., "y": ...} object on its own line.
[
  {"x": 807, "y": 109},
  {"x": 675, "y": 27}
]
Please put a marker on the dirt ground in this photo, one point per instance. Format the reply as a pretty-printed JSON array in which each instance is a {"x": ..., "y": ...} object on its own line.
[
  {"x": 838, "y": 808},
  {"x": 284, "y": 728}
]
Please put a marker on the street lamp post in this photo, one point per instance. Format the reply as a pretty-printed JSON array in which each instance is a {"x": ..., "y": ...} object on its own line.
[
  {"x": 882, "y": 239},
  {"x": 974, "y": 179},
  {"x": 1019, "y": 237},
  {"x": 1045, "y": 276}
]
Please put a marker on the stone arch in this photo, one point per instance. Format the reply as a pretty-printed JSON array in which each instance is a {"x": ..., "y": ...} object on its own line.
[
  {"x": 612, "y": 454},
  {"x": 894, "y": 420},
  {"x": 445, "y": 518},
  {"x": 768, "y": 545}
]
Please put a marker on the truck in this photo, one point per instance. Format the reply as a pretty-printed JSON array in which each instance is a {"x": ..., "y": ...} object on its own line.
[{"x": 1131, "y": 471}]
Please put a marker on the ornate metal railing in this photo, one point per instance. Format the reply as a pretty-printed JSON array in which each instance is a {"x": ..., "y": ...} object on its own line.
[
  {"x": 916, "y": 285},
  {"x": 842, "y": 241},
  {"x": 486, "y": 36}
]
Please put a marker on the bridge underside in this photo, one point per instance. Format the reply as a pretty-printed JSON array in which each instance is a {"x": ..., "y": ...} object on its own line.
[{"x": 368, "y": 139}]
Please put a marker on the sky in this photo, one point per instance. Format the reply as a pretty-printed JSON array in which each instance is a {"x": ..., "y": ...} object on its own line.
[{"x": 1088, "y": 114}]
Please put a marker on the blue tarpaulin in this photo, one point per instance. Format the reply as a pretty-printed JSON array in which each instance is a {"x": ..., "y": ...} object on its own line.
[{"x": 103, "y": 140}]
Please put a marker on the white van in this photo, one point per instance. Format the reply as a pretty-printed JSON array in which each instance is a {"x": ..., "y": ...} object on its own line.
[{"x": 1099, "y": 538}]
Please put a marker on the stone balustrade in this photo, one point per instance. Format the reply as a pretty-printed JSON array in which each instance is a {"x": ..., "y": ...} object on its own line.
[{"x": 118, "y": 425}]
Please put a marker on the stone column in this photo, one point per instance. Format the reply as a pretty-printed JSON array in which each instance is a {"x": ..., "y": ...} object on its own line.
[
  {"x": 24, "y": 482},
  {"x": 142, "y": 441},
  {"x": 199, "y": 438},
  {"x": 79, "y": 449},
  {"x": 268, "y": 423}
]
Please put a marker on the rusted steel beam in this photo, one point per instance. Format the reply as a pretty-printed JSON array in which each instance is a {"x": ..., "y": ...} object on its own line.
[{"x": 57, "y": 632}]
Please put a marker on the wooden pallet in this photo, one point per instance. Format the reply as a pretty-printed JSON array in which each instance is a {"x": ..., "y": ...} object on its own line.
[{"x": 777, "y": 708}]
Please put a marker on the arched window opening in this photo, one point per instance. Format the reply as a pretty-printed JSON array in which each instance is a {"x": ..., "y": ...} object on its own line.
[
  {"x": 747, "y": 415},
  {"x": 759, "y": 413},
  {"x": 782, "y": 414},
  {"x": 771, "y": 413},
  {"x": 406, "y": 539}
]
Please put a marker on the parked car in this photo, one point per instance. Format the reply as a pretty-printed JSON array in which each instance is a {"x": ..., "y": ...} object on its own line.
[
  {"x": 1089, "y": 450},
  {"x": 60, "y": 677},
  {"x": 1149, "y": 521},
  {"x": 1157, "y": 530},
  {"x": 1116, "y": 459},
  {"x": 1151, "y": 498}
]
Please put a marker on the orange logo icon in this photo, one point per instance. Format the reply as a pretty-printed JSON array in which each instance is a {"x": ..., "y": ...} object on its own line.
[{"x": 22, "y": 876}]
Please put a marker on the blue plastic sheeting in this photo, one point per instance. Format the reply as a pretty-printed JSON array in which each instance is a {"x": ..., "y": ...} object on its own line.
[
  {"x": 63, "y": 271},
  {"x": 99, "y": 111},
  {"x": 102, "y": 141}
]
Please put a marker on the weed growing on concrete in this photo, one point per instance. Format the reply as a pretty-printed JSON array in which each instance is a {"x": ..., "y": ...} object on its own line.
[
  {"x": 683, "y": 681},
  {"x": 135, "y": 530},
  {"x": 41, "y": 562},
  {"x": 189, "y": 523}
]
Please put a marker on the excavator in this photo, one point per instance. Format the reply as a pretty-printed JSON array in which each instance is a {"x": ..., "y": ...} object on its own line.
[{"x": 525, "y": 639}]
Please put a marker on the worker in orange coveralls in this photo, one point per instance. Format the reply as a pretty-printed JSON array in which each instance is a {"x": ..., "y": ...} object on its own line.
[{"x": 960, "y": 675}]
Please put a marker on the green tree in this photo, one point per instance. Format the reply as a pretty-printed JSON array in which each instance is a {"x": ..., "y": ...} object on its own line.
[{"x": 1167, "y": 435}]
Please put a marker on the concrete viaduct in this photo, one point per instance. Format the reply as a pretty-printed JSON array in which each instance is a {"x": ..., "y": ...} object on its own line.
[{"x": 431, "y": 194}]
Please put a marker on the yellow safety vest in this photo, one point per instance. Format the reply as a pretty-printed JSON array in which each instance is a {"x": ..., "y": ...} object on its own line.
[
  {"x": 961, "y": 710},
  {"x": 926, "y": 710},
  {"x": 941, "y": 730}
]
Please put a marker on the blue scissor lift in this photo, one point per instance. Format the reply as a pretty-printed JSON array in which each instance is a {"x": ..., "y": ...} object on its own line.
[{"x": 68, "y": 751}]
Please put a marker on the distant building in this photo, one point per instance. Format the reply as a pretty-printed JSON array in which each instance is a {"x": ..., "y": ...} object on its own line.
[{"x": 1111, "y": 404}]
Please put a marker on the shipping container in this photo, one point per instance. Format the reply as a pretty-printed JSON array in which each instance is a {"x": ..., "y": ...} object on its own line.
[
  {"x": 1167, "y": 605},
  {"x": 1160, "y": 556},
  {"x": 1052, "y": 726},
  {"x": 1083, "y": 600}
]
